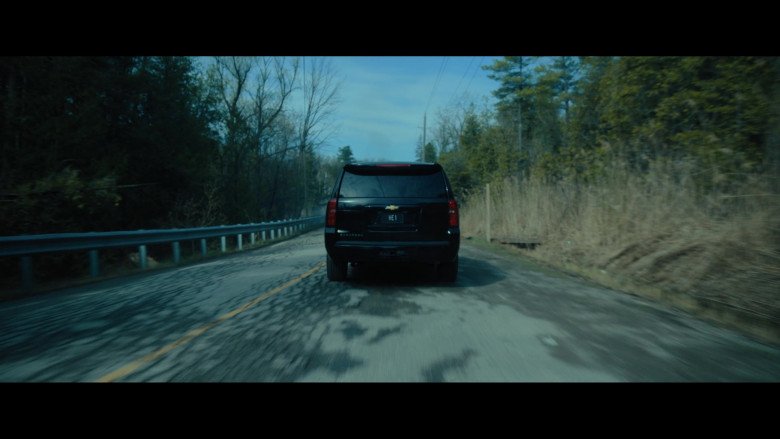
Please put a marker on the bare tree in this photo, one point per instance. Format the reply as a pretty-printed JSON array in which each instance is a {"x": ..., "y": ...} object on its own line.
[
  {"x": 256, "y": 96},
  {"x": 451, "y": 120},
  {"x": 320, "y": 95},
  {"x": 233, "y": 74},
  {"x": 269, "y": 101},
  {"x": 276, "y": 81},
  {"x": 255, "y": 93}
]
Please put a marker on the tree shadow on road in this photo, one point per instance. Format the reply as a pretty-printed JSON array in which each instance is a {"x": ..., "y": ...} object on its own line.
[{"x": 471, "y": 273}]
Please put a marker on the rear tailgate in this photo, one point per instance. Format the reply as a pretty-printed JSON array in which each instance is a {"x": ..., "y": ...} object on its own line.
[
  {"x": 406, "y": 202},
  {"x": 392, "y": 219}
]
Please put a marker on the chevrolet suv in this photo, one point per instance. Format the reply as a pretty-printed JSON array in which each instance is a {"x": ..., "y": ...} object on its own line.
[{"x": 383, "y": 212}]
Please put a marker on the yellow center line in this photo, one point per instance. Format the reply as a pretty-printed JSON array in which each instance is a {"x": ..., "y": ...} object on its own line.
[{"x": 128, "y": 369}]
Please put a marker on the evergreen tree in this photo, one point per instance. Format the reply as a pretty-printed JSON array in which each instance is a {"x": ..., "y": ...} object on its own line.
[
  {"x": 716, "y": 109},
  {"x": 111, "y": 144},
  {"x": 515, "y": 105},
  {"x": 429, "y": 153},
  {"x": 345, "y": 155},
  {"x": 586, "y": 129}
]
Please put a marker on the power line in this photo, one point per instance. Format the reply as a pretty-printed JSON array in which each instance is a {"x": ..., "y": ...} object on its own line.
[
  {"x": 474, "y": 74},
  {"x": 464, "y": 75},
  {"x": 436, "y": 83}
]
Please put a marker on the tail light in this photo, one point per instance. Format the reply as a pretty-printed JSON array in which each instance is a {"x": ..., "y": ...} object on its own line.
[
  {"x": 453, "y": 213},
  {"x": 330, "y": 216}
]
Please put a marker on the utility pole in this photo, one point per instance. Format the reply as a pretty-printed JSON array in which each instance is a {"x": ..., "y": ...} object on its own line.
[
  {"x": 425, "y": 115},
  {"x": 520, "y": 140},
  {"x": 520, "y": 124},
  {"x": 487, "y": 213},
  {"x": 303, "y": 143}
]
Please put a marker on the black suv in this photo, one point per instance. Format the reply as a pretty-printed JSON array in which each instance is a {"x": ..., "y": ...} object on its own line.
[{"x": 403, "y": 212}]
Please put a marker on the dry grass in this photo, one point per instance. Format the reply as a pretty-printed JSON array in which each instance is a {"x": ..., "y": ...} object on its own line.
[{"x": 653, "y": 233}]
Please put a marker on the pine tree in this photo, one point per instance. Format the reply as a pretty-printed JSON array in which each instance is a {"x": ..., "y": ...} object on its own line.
[{"x": 345, "y": 155}]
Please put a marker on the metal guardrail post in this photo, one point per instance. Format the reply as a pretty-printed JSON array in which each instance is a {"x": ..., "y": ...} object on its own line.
[
  {"x": 176, "y": 252},
  {"x": 27, "y": 273},
  {"x": 142, "y": 256},
  {"x": 94, "y": 269}
]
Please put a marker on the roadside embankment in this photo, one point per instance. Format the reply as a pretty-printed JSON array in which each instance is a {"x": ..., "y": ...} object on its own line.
[{"x": 714, "y": 253}]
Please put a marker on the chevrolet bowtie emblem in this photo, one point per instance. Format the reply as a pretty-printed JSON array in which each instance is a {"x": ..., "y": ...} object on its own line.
[{"x": 391, "y": 208}]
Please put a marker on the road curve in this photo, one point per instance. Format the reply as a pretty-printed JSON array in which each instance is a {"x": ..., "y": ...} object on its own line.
[{"x": 271, "y": 315}]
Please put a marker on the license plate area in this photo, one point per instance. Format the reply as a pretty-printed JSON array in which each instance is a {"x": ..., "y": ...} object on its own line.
[
  {"x": 392, "y": 253},
  {"x": 391, "y": 218}
]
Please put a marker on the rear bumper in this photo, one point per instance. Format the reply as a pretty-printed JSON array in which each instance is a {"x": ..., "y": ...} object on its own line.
[{"x": 402, "y": 251}]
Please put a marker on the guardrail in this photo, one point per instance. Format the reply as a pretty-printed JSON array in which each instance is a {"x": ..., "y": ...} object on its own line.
[{"x": 27, "y": 245}]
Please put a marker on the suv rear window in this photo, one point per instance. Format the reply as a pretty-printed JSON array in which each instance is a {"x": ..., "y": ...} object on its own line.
[{"x": 387, "y": 185}]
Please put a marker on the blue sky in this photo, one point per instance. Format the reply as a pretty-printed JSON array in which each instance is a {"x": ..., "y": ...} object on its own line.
[{"x": 383, "y": 100}]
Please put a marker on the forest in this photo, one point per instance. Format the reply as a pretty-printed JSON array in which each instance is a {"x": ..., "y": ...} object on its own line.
[
  {"x": 127, "y": 143},
  {"x": 566, "y": 117}
]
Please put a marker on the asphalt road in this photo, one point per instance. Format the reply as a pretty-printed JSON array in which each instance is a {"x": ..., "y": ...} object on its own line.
[{"x": 271, "y": 315}]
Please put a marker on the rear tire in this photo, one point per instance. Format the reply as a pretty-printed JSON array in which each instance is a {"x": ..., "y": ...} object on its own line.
[
  {"x": 337, "y": 271},
  {"x": 448, "y": 271}
]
